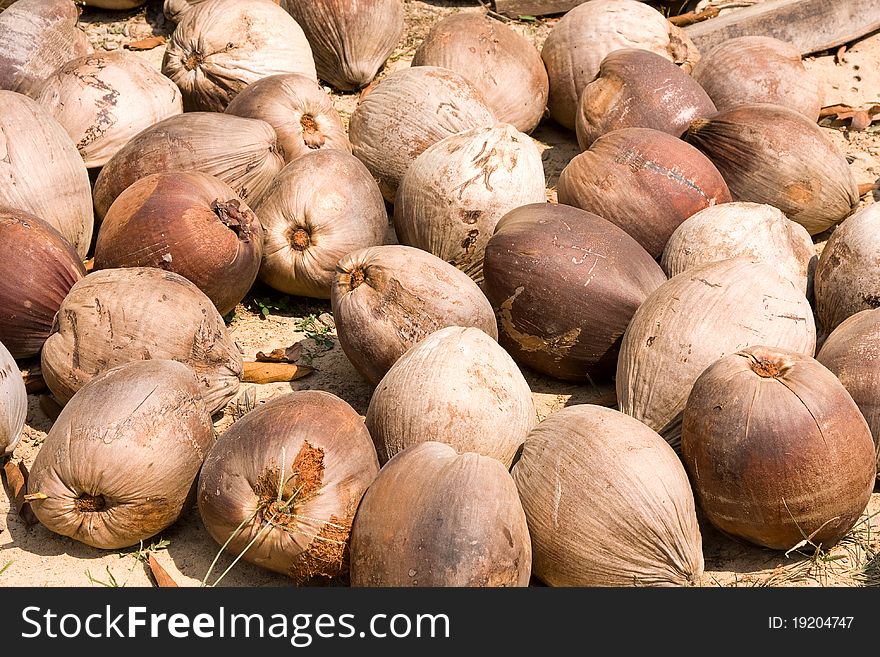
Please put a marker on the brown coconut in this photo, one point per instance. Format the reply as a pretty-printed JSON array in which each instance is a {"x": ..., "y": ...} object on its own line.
[
  {"x": 565, "y": 284},
  {"x": 752, "y": 230},
  {"x": 385, "y": 299},
  {"x": 452, "y": 195},
  {"x": 459, "y": 387},
  {"x": 320, "y": 208},
  {"x": 219, "y": 47},
  {"x": 637, "y": 88},
  {"x": 37, "y": 273},
  {"x": 190, "y": 223},
  {"x": 852, "y": 353},
  {"x": 299, "y": 110},
  {"x": 436, "y": 518},
  {"x": 407, "y": 111},
  {"x": 759, "y": 69},
  {"x": 697, "y": 317},
  {"x": 645, "y": 181},
  {"x": 350, "y": 39},
  {"x": 775, "y": 155},
  {"x": 114, "y": 316},
  {"x": 282, "y": 484},
  {"x": 118, "y": 464},
  {"x": 241, "y": 152},
  {"x": 504, "y": 65},
  {"x": 847, "y": 277},
  {"x": 36, "y": 37},
  {"x": 608, "y": 503},
  {"x": 41, "y": 172},
  {"x": 577, "y": 44},
  {"x": 777, "y": 450}
]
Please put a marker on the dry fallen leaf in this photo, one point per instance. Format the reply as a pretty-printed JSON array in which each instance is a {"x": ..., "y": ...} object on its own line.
[
  {"x": 146, "y": 44},
  {"x": 860, "y": 118},
  {"x": 281, "y": 355},
  {"x": 255, "y": 372},
  {"x": 160, "y": 575},
  {"x": 16, "y": 475}
]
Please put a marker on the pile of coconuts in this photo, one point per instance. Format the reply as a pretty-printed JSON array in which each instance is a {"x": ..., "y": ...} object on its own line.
[{"x": 676, "y": 264}]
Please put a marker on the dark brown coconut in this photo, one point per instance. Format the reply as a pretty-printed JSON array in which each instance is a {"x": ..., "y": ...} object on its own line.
[
  {"x": 36, "y": 37},
  {"x": 565, "y": 284},
  {"x": 848, "y": 274},
  {"x": 350, "y": 39},
  {"x": 637, "y": 88},
  {"x": 437, "y": 518},
  {"x": 118, "y": 464},
  {"x": 406, "y": 112},
  {"x": 320, "y": 208},
  {"x": 759, "y": 69},
  {"x": 114, "y": 316},
  {"x": 774, "y": 155},
  {"x": 301, "y": 112},
  {"x": 387, "y": 298},
  {"x": 190, "y": 223},
  {"x": 852, "y": 353},
  {"x": 241, "y": 152},
  {"x": 282, "y": 485},
  {"x": 608, "y": 503},
  {"x": 645, "y": 181},
  {"x": 777, "y": 450},
  {"x": 504, "y": 65},
  {"x": 37, "y": 273}
]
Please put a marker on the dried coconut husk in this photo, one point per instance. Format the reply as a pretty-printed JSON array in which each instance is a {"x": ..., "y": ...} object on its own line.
[
  {"x": 452, "y": 195},
  {"x": 400, "y": 116},
  {"x": 320, "y": 208},
  {"x": 777, "y": 450},
  {"x": 103, "y": 100},
  {"x": 583, "y": 37},
  {"x": 118, "y": 464},
  {"x": 435, "y": 518},
  {"x": 221, "y": 46},
  {"x": 241, "y": 152},
  {"x": 299, "y": 110},
  {"x": 759, "y": 69},
  {"x": 459, "y": 387},
  {"x": 41, "y": 172},
  {"x": 504, "y": 65},
  {"x": 113, "y": 4},
  {"x": 697, "y": 317},
  {"x": 774, "y": 155},
  {"x": 387, "y": 298},
  {"x": 13, "y": 402},
  {"x": 638, "y": 88},
  {"x": 565, "y": 284},
  {"x": 189, "y": 223},
  {"x": 36, "y": 37},
  {"x": 350, "y": 39},
  {"x": 114, "y": 316},
  {"x": 847, "y": 276},
  {"x": 282, "y": 484},
  {"x": 37, "y": 273},
  {"x": 608, "y": 503},
  {"x": 852, "y": 353},
  {"x": 752, "y": 230},
  {"x": 645, "y": 181}
]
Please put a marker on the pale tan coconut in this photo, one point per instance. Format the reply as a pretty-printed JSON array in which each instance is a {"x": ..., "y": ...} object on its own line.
[
  {"x": 452, "y": 195},
  {"x": 608, "y": 503},
  {"x": 13, "y": 402}
]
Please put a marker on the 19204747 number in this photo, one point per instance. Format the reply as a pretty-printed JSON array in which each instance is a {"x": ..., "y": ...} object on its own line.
[{"x": 810, "y": 622}]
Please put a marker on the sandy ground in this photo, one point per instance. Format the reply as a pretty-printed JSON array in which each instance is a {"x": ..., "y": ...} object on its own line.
[{"x": 34, "y": 556}]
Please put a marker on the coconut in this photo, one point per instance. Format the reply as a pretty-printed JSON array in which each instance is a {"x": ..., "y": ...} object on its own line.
[{"x": 13, "y": 402}]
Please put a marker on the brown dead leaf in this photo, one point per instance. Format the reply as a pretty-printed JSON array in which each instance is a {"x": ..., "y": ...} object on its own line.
[
  {"x": 32, "y": 374},
  {"x": 273, "y": 372},
  {"x": 867, "y": 188},
  {"x": 859, "y": 118},
  {"x": 16, "y": 475},
  {"x": 691, "y": 17},
  {"x": 145, "y": 44},
  {"x": 289, "y": 354},
  {"x": 160, "y": 575},
  {"x": 838, "y": 56}
]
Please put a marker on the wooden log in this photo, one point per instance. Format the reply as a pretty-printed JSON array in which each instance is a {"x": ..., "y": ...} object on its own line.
[{"x": 811, "y": 25}]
